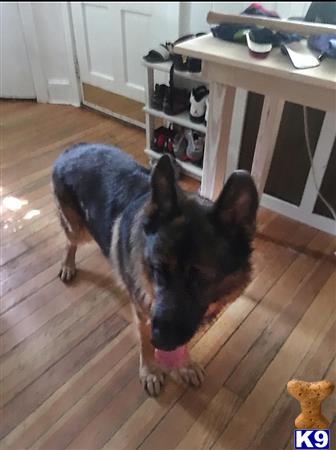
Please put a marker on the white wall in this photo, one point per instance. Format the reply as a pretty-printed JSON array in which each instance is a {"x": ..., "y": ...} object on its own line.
[{"x": 16, "y": 76}]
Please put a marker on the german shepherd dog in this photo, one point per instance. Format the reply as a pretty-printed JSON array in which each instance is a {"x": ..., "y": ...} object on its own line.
[{"x": 180, "y": 257}]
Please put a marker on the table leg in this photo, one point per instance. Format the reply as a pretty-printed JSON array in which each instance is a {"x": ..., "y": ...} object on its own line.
[
  {"x": 321, "y": 158},
  {"x": 267, "y": 135},
  {"x": 221, "y": 100}
]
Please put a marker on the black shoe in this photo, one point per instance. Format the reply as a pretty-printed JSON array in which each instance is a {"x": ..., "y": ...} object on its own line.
[
  {"x": 158, "y": 96},
  {"x": 176, "y": 101}
]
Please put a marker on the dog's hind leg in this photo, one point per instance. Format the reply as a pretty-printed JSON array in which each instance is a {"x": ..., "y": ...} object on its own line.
[
  {"x": 68, "y": 265},
  {"x": 76, "y": 234}
]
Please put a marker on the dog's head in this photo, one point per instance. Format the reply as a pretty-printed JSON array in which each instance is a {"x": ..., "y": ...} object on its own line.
[{"x": 197, "y": 252}]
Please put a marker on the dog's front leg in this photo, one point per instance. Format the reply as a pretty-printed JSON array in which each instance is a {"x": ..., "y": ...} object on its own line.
[
  {"x": 151, "y": 374},
  {"x": 190, "y": 373}
]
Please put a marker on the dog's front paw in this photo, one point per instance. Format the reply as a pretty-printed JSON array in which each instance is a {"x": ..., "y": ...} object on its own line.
[
  {"x": 190, "y": 373},
  {"x": 152, "y": 378},
  {"x": 67, "y": 272}
]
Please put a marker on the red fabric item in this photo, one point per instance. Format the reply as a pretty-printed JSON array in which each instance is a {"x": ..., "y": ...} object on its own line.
[{"x": 255, "y": 9}]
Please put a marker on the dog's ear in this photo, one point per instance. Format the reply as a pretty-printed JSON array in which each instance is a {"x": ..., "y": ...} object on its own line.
[
  {"x": 163, "y": 203},
  {"x": 238, "y": 202}
]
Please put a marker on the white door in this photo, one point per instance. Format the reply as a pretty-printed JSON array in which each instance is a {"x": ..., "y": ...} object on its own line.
[
  {"x": 111, "y": 39},
  {"x": 16, "y": 75}
]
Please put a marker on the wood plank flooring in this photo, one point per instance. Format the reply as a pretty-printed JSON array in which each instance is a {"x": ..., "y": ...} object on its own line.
[{"x": 68, "y": 354}]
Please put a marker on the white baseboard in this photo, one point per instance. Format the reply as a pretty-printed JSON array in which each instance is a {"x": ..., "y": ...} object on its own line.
[
  {"x": 117, "y": 116},
  {"x": 16, "y": 97},
  {"x": 60, "y": 92}
]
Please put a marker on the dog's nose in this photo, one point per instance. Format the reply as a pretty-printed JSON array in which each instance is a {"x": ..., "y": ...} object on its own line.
[{"x": 163, "y": 336}]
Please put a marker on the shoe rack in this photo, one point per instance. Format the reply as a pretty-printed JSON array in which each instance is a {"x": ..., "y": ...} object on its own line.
[{"x": 180, "y": 119}]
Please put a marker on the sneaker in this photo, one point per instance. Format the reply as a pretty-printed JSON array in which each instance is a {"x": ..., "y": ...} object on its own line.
[
  {"x": 159, "y": 139},
  {"x": 198, "y": 98},
  {"x": 169, "y": 143},
  {"x": 195, "y": 147},
  {"x": 180, "y": 147}
]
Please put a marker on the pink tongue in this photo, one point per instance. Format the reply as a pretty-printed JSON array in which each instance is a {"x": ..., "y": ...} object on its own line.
[{"x": 173, "y": 359}]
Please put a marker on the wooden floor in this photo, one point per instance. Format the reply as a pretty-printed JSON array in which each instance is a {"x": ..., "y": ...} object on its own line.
[{"x": 69, "y": 364}]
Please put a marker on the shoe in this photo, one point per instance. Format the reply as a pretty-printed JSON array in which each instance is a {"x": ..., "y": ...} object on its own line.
[
  {"x": 179, "y": 61},
  {"x": 169, "y": 142},
  {"x": 163, "y": 138},
  {"x": 199, "y": 163},
  {"x": 206, "y": 110},
  {"x": 194, "y": 65},
  {"x": 195, "y": 147},
  {"x": 175, "y": 101},
  {"x": 183, "y": 63},
  {"x": 159, "y": 139},
  {"x": 198, "y": 98},
  {"x": 159, "y": 54},
  {"x": 158, "y": 96},
  {"x": 180, "y": 147}
]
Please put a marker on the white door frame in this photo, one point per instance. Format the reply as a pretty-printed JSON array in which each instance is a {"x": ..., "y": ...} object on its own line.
[
  {"x": 74, "y": 75},
  {"x": 34, "y": 54},
  {"x": 33, "y": 50}
]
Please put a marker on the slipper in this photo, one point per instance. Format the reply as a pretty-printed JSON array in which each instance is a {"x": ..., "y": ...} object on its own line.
[
  {"x": 300, "y": 55},
  {"x": 158, "y": 54},
  {"x": 259, "y": 42}
]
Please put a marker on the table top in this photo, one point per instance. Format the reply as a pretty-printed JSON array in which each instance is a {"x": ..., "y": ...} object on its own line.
[{"x": 209, "y": 48}]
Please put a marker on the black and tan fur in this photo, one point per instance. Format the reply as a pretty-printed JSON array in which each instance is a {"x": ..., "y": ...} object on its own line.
[{"x": 180, "y": 257}]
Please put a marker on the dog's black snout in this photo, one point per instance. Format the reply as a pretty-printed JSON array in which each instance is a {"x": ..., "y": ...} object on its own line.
[{"x": 164, "y": 336}]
